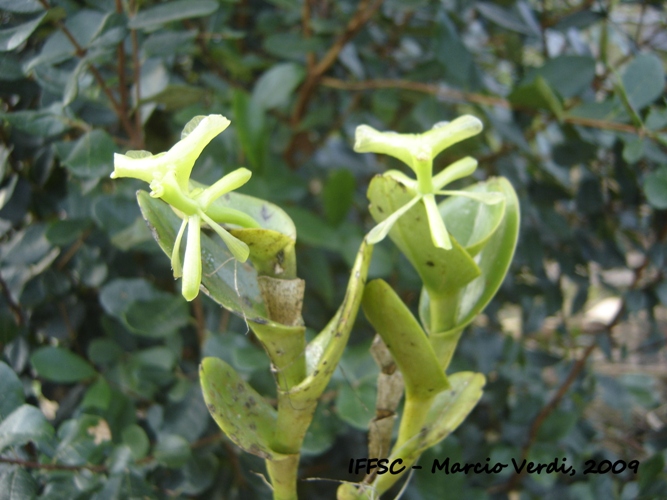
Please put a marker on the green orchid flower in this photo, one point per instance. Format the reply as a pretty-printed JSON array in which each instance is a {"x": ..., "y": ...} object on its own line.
[
  {"x": 169, "y": 177},
  {"x": 417, "y": 151}
]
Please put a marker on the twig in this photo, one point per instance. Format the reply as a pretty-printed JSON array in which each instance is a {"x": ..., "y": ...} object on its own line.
[
  {"x": 138, "y": 136},
  {"x": 122, "y": 77},
  {"x": 307, "y": 32},
  {"x": 81, "y": 53},
  {"x": 471, "y": 97},
  {"x": 200, "y": 321},
  {"x": 19, "y": 316},
  {"x": 364, "y": 12},
  {"x": 73, "y": 249},
  {"x": 546, "y": 411}
]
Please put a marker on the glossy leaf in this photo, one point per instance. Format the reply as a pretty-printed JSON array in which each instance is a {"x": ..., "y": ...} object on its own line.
[
  {"x": 405, "y": 339},
  {"x": 10, "y": 38},
  {"x": 493, "y": 261},
  {"x": 58, "y": 364},
  {"x": 11, "y": 389},
  {"x": 643, "y": 80},
  {"x": 442, "y": 271},
  {"x": 274, "y": 88},
  {"x": 243, "y": 414},
  {"x": 231, "y": 284},
  {"x": 24, "y": 424},
  {"x": 161, "y": 14},
  {"x": 655, "y": 187},
  {"x": 92, "y": 156},
  {"x": 17, "y": 484}
]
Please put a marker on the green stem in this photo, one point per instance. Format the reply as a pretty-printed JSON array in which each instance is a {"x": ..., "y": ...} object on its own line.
[
  {"x": 283, "y": 476},
  {"x": 444, "y": 336},
  {"x": 415, "y": 411}
]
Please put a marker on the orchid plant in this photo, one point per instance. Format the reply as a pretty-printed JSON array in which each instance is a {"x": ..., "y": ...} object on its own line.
[{"x": 461, "y": 248}]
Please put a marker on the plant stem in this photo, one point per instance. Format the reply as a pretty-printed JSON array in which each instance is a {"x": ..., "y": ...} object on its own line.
[
  {"x": 283, "y": 474},
  {"x": 415, "y": 411},
  {"x": 443, "y": 335}
]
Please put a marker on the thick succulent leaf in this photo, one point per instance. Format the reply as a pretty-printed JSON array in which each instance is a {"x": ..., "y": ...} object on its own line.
[
  {"x": 272, "y": 253},
  {"x": 446, "y": 413},
  {"x": 493, "y": 259},
  {"x": 230, "y": 283},
  {"x": 470, "y": 221},
  {"x": 271, "y": 245},
  {"x": 268, "y": 215},
  {"x": 325, "y": 350},
  {"x": 243, "y": 414},
  {"x": 405, "y": 339},
  {"x": 442, "y": 271},
  {"x": 448, "y": 410}
]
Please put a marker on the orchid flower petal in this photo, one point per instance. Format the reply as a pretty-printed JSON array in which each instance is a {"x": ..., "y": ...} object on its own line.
[
  {"x": 238, "y": 249},
  {"x": 486, "y": 198},
  {"x": 457, "y": 170},
  {"x": 378, "y": 233},
  {"x": 439, "y": 233},
  {"x": 229, "y": 182},
  {"x": 192, "y": 264},
  {"x": 445, "y": 134},
  {"x": 176, "y": 252},
  {"x": 186, "y": 151}
]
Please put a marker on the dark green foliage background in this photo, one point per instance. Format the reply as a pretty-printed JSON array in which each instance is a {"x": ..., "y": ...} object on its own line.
[{"x": 93, "y": 329}]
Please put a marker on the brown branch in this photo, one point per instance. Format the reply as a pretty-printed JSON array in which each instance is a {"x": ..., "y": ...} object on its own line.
[
  {"x": 307, "y": 32},
  {"x": 364, "y": 12},
  {"x": 81, "y": 53},
  {"x": 73, "y": 249},
  {"x": 19, "y": 316},
  {"x": 138, "y": 136},
  {"x": 200, "y": 321},
  {"x": 471, "y": 97},
  {"x": 546, "y": 411},
  {"x": 122, "y": 77}
]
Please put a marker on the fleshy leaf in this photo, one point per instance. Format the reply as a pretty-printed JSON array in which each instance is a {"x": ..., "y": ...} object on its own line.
[
  {"x": 242, "y": 413},
  {"x": 493, "y": 259},
  {"x": 231, "y": 284},
  {"x": 442, "y": 271},
  {"x": 405, "y": 339},
  {"x": 378, "y": 233}
]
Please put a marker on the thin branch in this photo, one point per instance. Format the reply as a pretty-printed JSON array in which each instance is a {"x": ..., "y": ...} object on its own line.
[
  {"x": 471, "y": 97},
  {"x": 138, "y": 136},
  {"x": 122, "y": 77},
  {"x": 307, "y": 32},
  {"x": 364, "y": 12},
  {"x": 81, "y": 53},
  {"x": 200, "y": 321},
  {"x": 546, "y": 411},
  {"x": 19, "y": 316}
]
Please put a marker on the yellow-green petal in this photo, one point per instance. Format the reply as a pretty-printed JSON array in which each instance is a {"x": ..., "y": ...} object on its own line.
[
  {"x": 439, "y": 233},
  {"x": 176, "y": 265},
  {"x": 379, "y": 232},
  {"x": 192, "y": 264},
  {"x": 238, "y": 249},
  {"x": 457, "y": 170}
]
